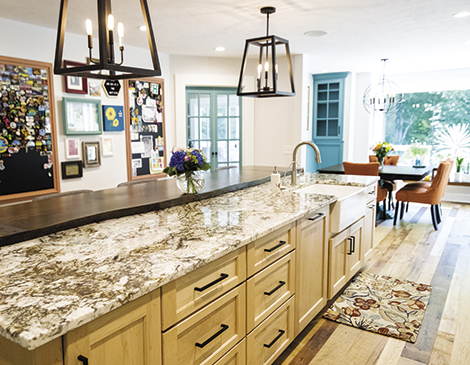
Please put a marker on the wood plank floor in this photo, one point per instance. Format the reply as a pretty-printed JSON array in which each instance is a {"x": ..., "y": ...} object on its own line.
[{"x": 415, "y": 251}]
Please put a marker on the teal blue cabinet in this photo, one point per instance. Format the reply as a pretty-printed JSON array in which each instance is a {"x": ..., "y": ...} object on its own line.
[{"x": 327, "y": 124}]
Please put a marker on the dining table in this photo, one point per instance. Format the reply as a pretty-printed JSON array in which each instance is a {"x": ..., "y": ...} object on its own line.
[{"x": 389, "y": 172}]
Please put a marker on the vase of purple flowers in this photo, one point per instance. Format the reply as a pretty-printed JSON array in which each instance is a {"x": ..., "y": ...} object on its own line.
[{"x": 188, "y": 165}]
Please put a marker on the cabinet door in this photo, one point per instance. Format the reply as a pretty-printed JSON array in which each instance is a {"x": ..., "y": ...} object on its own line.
[
  {"x": 369, "y": 229},
  {"x": 311, "y": 268},
  {"x": 339, "y": 249},
  {"x": 129, "y": 335},
  {"x": 355, "y": 254}
]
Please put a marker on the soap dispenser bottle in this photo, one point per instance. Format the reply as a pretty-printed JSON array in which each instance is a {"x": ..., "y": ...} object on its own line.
[{"x": 275, "y": 180}]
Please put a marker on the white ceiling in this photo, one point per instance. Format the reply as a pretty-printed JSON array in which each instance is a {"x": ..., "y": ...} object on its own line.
[{"x": 415, "y": 35}]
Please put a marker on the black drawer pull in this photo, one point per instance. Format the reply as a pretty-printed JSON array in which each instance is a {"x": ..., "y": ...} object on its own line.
[
  {"x": 372, "y": 192},
  {"x": 281, "y": 283},
  {"x": 222, "y": 277},
  {"x": 213, "y": 337},
  {"x": 371, "y": 206},
  {"x": 281, "y": 243},
  {"x": 350, "y": 246},
  {"x": 319, "y": 215},
  {"x": 281, "y": 332},
  {"x": 354, "y": 243},
  {"x": 83, "y": 359}
]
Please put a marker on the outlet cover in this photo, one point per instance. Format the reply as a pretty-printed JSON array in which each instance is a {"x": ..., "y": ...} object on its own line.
[{"x": 288, "y": 149}]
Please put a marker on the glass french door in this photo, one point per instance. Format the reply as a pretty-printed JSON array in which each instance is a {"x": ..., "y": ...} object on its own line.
[{"x": 214, "y": 124}]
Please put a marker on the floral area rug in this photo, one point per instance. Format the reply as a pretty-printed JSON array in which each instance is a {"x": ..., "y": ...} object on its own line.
[{"x": 382, "y": 304}]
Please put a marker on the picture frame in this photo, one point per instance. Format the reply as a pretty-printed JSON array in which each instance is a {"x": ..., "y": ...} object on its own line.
[
  {"x": 91, "y": 154},
  {"x": 75, "y": 84},
  {"x": 72, "y": 148},
  {"x": 113, "y": 118},
  {"x": 107, "y": 145},
  {"x": 71, "y": 169},
  {"x": 82, "y": 116}
]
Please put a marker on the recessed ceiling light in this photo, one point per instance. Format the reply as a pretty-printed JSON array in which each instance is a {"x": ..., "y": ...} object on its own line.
[
  {"x": 316, "y": 33},
  {"x": 219, "y": 49},
  {"x": 462, "y": 14},
  {"x": 143, "y": 28}
]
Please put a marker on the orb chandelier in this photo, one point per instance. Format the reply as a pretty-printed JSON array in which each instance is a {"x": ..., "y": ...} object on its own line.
[
  {"x": 382, "y": 97},
  {"x": 271, "y": 71}
]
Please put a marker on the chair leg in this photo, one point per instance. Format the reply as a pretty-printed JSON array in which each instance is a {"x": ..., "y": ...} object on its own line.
[
  {"x": 433, "y": 216},
  {"x": 438, "y": 213},
  {"x": 402, "y": 210},
  {"x": 407, "y": 205},
  {"x": 389, "y": 200},
  {"x": 440, "y": 209},
  {"x": 396, "y": 213},
  {"x": 384, "y": 215}
]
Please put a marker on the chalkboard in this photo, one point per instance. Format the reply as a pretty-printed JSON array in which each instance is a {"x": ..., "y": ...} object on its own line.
[
  {"x": 28, "y": 158},
  {"x": 145, "y": 128}
]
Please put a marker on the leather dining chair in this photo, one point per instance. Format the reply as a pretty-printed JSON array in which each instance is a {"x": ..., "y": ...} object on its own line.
[
  {"x": 388, "y": 160},
  {"x": 391, "y": 186},
  {"x": 367, "y": 169},
  {"x": 425, "y": 193}
]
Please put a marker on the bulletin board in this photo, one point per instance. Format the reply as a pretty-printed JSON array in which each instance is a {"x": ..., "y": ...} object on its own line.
[
  {"x": 145, "y": 128},
  {"x": 28, "y": 145}
]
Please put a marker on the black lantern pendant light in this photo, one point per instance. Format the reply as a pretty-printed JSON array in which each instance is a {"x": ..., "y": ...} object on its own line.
[
  {"x": 106, "y": 66},
  {"x": 266, "y": 71}
]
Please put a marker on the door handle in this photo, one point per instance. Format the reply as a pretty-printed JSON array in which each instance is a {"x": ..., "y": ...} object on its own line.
[
  {"x": 281, "y": 243},
  {"x": 281, "y": 332},
  {"x": 281, "y": 284},
  {"x": 222, "y": 277},
  {"x": 213, "y": 337},
  {"x": 83, "y": 359},
  {"x": 354, "y": 243},
  {"x": 350, "y": 246},
  {"x": 319, "y": 215}
]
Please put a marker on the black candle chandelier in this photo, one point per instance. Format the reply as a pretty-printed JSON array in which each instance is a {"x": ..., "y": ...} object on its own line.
[
  {"x": 266, "y": 72},
  {"x": 106, "y": 66}
]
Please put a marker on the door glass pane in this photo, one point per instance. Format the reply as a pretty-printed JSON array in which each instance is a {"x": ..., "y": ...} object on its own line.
[
  {"x": 205, "y": 105},
  {"x": 322, "y": 95},
  {"x": 322, "y": 86},
  {"x": 206, "y": 149},
  {"x": 334, "y": 95},
  {"x": 321, "y": 128},
  {"x": 234, "y": 128},
  {"x": 334, "y": 86},
  {"x": 222, "y": 151},
  {"x": 205, "y": 128},
  {"x": 333, "y": 110},
  {"x": 234, "y": 106},
  {"x": 234, "y": 152},
  {"x": 321, "y": 111},
  {"x": 195, "y": 144},
  {"x": 194, "y": 128},
  {"x": 222, "y": 128},
  {"x": 222, "y": 105},
  {"x": 332, "y": 127},
  {"x": 192, "y": 105}
]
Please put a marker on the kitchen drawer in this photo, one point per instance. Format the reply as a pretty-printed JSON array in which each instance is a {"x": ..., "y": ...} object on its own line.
[
  {"x": 268, "y": 289},
  {"x": 266, "y": 250},
  {"x": 236, "y": 356},
  {"x": 185, "y": 295},
  {"x": 371, "y": 192},
  {"x": 208, "y": 334},
  {"x": 272, "y": 336}
]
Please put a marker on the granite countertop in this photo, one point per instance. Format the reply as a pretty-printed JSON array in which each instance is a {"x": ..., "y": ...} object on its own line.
[{"x": 56, "y": 283}]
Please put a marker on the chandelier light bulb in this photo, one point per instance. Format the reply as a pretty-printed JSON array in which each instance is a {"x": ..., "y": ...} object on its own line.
[
  {"x": 266, "y": 66},
  {"x": 110, "y": 22},
  {"x": 121, "y": 30},
  {"x": 89, "y": 27}
]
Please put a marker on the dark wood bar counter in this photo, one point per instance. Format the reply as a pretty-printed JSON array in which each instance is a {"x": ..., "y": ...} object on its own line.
[{"x": 20, "y": 222}]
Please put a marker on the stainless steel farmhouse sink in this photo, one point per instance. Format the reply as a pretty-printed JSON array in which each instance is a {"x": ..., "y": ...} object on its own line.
[{"x": 349, "y": 207}]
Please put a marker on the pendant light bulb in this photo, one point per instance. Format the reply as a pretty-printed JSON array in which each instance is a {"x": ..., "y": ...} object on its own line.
[
  {"x": 110, "y": 22},
  {"x": 89, "y": 27},
  {"x": 266, "y": 66}
]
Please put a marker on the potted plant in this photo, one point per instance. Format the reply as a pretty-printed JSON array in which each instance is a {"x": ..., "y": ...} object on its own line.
[
  {"x": 381, "y": 150},
  {"x": 417, "y": 151},
  {"x": 458, "y": 169}
]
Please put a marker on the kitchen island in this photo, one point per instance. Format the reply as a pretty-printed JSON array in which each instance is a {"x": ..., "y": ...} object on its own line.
[{"x": 54, "y": 284}]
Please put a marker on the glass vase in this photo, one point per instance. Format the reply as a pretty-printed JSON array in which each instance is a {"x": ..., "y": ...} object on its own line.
[
  {"x": 381, "y": 161},
  {"x": 190, "y": 182}
]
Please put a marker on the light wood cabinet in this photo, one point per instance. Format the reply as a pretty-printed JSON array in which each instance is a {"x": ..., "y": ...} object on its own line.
[
  {"x": 47, "y": 354},
  {"x": 209, "y": 333},
  {"x": 311, "y": 267},
  {"x": 346, "y": 256},
  {"x": 129, "y": 335},
  {"x": 369, "y": 229},
  {"x": 236, "y": 356},
  {"x": 268, "y": 289},
  {"x": 187, "y": 294},
  {"x": 264, "y": 251},
  {"x": 272, "y": 336}
]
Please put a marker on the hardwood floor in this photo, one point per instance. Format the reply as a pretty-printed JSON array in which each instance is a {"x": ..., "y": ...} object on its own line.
[{"x": 415, "y": 251}]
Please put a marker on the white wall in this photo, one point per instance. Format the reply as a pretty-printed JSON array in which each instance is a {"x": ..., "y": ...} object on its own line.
[{"x": 40, "y": 46}]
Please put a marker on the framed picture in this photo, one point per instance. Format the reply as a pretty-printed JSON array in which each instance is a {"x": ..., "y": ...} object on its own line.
[
  {"x": 71, "y": 169},
  {"x": 94, "y": 87},
  {"x": 113, "y": 116},
  {"x": 82, "y": 116},
  {"x": 91, "y": 154},
  {"x": 72, "y": 149},
  {"x": 75, "y": 84},
  {"x": 107, "y": 145}
]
